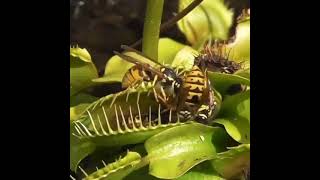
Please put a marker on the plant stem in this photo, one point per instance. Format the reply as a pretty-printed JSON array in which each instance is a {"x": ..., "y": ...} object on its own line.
[
  {"x": 144, "y": 161},
  {"x": 151, "y": 29}
]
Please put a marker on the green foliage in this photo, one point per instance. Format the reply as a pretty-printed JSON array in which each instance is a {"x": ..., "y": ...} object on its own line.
[
  {"x": 202, "y": 171},
  {"x": 210, "y": 19},
  {"x": 130, "y": 121},
  {"x": 173, "y": 152},
  {"x": 233, "y": 162},
  {"x": 115, "y": 74},
  {"x": 222, "y": 82},
  {"x": 118, "y": 169},
  {"x": 151, "y": 28},
  {"x": 235, "y": 116},
  {"x": 239, "y": 50},
  {"x": 78, "y": 150},
  {"x": 184, "y": 59},
  {"x": 112, "y": 71},
  {"x": 82, "y": 98},
  {"x": 82, "y": 70},
  {"x": 167, "y": 55},
  {"x": 105, "y": 120}
]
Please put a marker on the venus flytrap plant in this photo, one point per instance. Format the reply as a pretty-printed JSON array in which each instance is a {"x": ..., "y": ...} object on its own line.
[
  {"x": 120, "y": 119},
  {"x": 116, "y": 170},
  {"x": 210, "y": 19},
  {"x": 133, "y": 118},
  {"x": 82, "y": 70}
]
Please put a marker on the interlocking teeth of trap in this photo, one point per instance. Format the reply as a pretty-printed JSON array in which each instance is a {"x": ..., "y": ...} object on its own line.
[{"x": 133, "y": 123}]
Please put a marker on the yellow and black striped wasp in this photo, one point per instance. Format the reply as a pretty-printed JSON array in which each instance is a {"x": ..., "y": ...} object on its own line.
[
  {"x": 166, "y": 81},
  {"x": 189, "y": 94},
  {"x": 197, "y": 95}
]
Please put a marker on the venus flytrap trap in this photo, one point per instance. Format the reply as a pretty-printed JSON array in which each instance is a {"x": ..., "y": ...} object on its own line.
[
  {"x": 82, "y": 70},
  {"x": 116, "y": 170},
  {"x": 210, "y": 18},
  {"x": 120, "y": 119},
  {"x": 158, "y": 144}
]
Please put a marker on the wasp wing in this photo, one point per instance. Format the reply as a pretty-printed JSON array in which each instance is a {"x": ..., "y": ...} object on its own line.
[
  {"x": 142, "y": 64},
  {"x": 143, "y": 58}
]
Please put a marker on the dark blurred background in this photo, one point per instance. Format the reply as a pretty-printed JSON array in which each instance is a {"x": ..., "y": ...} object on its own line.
[{"x": 101, "y": 26}]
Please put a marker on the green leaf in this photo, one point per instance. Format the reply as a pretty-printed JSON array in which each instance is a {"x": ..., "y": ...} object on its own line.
[
  {"x": 79, "y": 149},
  {"x": 82, "y": 70},
  {"x": 210, "y": 18},
  {"x": 235, "y": 116},
  {"x": 80, "y": 54},
  {"x": 232, "y": 162},
  {"x": 184, "y": 59},
  {"x": 244, "y": 73},
  {"x": 76, "y": 111},
  {"x": 237, "y": 128},
  {"x": 240, "y": 48},
  {"x": 174, "y": 151},
  {"x": 221, "y": 81},
  {"x": 106, "y": 121},
  {"x": 202, "y": 171},
  {"x": 82, "y": 98},
  {"x": 218, "y": 99},
  {"x": 115, "y": 74},
  {"x": 168, "y": 49},
  {"x": 139, "y": 174},
  {"x": 115, "y": 69},
  {"x": 118, "y": 169},
  {"x": 236, "y": 105}
]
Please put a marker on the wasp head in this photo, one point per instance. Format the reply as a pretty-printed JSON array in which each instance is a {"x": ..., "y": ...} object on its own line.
[{"x": 171, "y": 80}]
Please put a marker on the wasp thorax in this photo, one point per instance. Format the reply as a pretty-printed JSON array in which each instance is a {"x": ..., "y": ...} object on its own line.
[{"x": 171, "y": 80}]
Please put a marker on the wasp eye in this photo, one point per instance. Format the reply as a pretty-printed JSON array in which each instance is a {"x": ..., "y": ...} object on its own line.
[{"x": 169, "y": 73}]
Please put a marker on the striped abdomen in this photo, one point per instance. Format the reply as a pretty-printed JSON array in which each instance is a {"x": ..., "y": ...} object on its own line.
[
  {"x": 194, "y": 84},
  {"x": 134, "y": 75}
]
